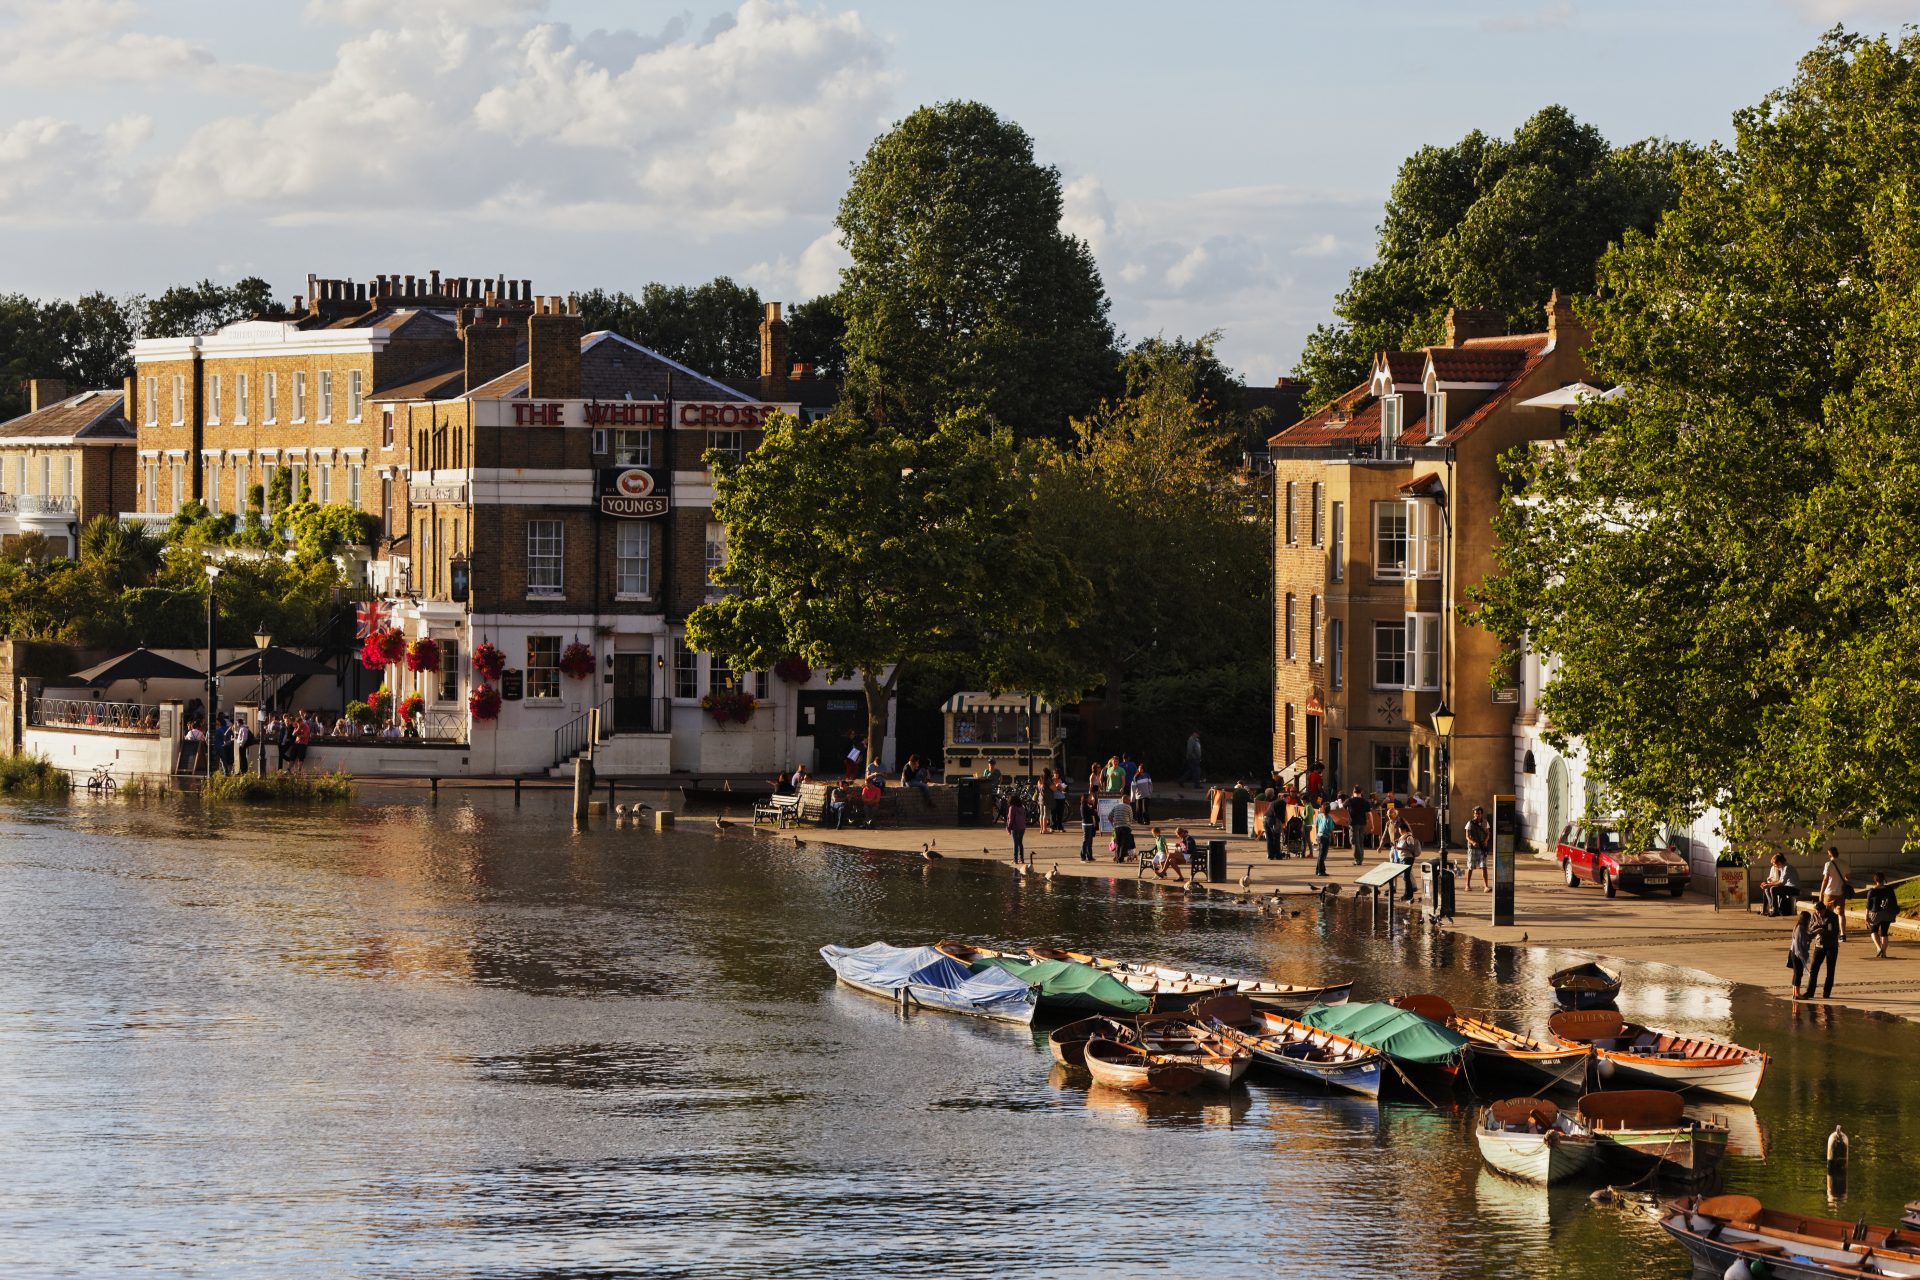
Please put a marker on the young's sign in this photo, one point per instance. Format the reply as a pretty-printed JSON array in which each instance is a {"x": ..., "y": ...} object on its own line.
[{"x": 628, "y": 493}]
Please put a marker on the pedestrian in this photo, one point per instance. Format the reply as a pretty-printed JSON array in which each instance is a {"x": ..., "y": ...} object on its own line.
[
  {"x": 1835, "y": 888},
  {"x": 1057, "y": 798},
  {"x": 1193, "y": 776},
  {"x": 242, "y": 738},
  {"x": 1322, "y": 840},
  {"x": 197, "y": 741},
  {"x": 1046, "y": 801},
  {"x": 855, "y": 749},
  {"x": 1824, "y": 950},
  {"x": 1272, "y": 825},
  {"x": 1140, "y": 793},
  {"x": 1797, "y": 948},
  {"x": 1120, "y": 818},
  {"x": 1093, "y": 778},
  {"x": 1128, "y": 768},
  {"x": 1314, "y": 776},
  {"x": 1017, "y": 828},
  {"x": 1479, "y": 847},
  {"x": 1883, "y": 908},
  {"x": 1779, "y": 889},
  {"x": 1406, "y": 852},
  {"x": 1357, "y": 825},
  {"x": 1089, "y": 823},
  {"x": 302, "y": 739},
  {"x": 1115, "y": 780}
]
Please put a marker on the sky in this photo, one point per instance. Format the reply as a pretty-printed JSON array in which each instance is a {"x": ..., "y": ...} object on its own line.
[{"x": 1226, "y": 161}]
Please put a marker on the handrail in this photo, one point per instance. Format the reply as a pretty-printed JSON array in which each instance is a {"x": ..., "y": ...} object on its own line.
[
  {"x": 571, "y": 738},
  {"x": 606, "y": 719}
]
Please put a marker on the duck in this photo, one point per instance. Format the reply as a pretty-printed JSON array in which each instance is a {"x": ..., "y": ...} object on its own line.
[
  {"x": 1194, "y": 885},
  {"x": 799, "y": 842},
  {"x": 722, "y": 823},
  {"x": 928, "y": 853},
  {"x": 619, "y": 812}
]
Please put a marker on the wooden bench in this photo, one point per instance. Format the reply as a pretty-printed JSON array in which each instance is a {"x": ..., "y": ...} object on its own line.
[{"x": 781, "y": 811}]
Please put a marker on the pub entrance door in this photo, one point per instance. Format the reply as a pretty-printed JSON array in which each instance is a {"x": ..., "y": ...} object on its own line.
[{"x": 633, "y": 692}]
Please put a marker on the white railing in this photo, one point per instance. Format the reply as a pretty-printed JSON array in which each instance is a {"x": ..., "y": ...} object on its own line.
[{"x": 37, "y": 503}]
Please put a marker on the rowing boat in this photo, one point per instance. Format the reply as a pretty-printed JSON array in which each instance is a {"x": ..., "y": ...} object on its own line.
[
  {"x": 1586, "y": 986},
  {"x": 1070, "y": 986},
  {"x": 1628, "y": 1053},
  {"x": 1319, "y": 1057},
  {"x": 1722, "y": 1231},
  {"x": 1068, "y": 1042},
  {"x": 1266, "y": 993},
  {"x": 1533, "y": 1140},
  {"x": 1497, "y": 1051},
  {"x": 920, "y": 977},
  {"x": 1128, "y": 1066},
  {"x": 1187, "y": 1037},
  {"x": 1635, "y": 1127},
  {"x": 1417, "y": 1046}
]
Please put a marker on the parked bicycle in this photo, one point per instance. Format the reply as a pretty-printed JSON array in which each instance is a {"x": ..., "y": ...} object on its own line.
[{"x": 102, "y": 779}]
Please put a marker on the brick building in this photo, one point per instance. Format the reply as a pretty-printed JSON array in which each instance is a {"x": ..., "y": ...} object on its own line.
[
  {"x": 66, "y": 460},
  {"x": 1385, "y": 503}
]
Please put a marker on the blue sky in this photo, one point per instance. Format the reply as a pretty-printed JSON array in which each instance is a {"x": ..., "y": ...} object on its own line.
[{"x": 1227, "y": 161}]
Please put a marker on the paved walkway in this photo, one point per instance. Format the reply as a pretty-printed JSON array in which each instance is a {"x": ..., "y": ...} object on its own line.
[{"x": 1739, "y": 947}]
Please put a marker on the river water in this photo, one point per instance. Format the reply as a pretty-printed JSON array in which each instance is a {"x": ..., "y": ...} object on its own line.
[{"x": 457, "y": 1040}]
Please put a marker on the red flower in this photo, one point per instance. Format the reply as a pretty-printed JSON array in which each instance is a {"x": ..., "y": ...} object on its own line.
[
  {"x": 793, "y": 669},
  {"x": 379, "y": 700},
  {"x": 423, "y": 654},
  {"x": 412, "y": 705},
  {"x": 484, "y": 702},
  {"x": 489, "y": 661},
  {"x": 383, "y": 648},
  {"x": 577, "y": 661}
]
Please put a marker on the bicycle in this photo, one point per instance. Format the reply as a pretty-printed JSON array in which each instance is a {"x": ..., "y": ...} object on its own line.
[{"x": 102, "y": 779}]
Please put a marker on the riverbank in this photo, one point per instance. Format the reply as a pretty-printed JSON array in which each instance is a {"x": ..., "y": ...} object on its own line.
[{"x": 1739, "y": 947}]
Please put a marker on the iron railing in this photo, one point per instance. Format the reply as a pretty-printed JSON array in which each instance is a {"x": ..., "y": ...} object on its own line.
[
  {"x": 571, "y": 738},
  {"x": 429, "y": 727},
  {"x": 37, "y": 503},
  {"x": 101, "y": 717}
]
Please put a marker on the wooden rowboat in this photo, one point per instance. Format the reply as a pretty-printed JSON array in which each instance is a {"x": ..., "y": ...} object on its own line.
[
  {"x": 1306, "y": 1053},
  {"x": 1188, "y": 1037},
  {"x": 1638, "y": 1127},
  {"x": 1586, "y": 986},
  {"x": 1721, "y": 1231},
  {"x": 1533, "y": 1140},
  {"x": 1130, "y": 1067},
  {"x": 1068, "y": 1042},
  {"x": 1494, "y": 1051},
  {"x": 1629, "y": 1054},
  {"x": 1280, "y": 997},
  {"x": 1128, "y": 992}
]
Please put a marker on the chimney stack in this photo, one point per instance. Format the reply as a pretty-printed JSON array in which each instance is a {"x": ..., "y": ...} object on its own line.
[
  {"x": 42, "y": 392},
  {"x": 1561, "y": 321},
  {"x": 490, "y": 349},
  {"x": 1473, "y": 322},
  {"x": 129, "y": 390},
  {"x": 773, "y": 355},
  {"x": 553, "y": 351}
]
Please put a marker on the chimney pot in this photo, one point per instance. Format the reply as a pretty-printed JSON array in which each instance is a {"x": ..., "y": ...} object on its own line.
[
  {"x": 409, "y": 292},
  {"x": 801, "y": 369},
  {"x": 297, "y": 300},
  {"x": 42, "y": 392},
  {"x": 526, "y": 290},
  {"x": 436, "y": 284},
  {"x": 1473, "y": 322}
]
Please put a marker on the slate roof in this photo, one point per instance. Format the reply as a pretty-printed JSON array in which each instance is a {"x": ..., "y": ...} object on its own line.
[
  {"x": 90, "y": 416},
  {"x": 444, "y": 381},
  {"x": 810, "y": 392},
  {"x": 617, "y": 368}
]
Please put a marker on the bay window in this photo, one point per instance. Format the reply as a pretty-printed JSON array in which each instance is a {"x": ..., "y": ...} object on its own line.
[
  {"x": 1389, "y": 655},
  {"x": 1390, "y": 535}
]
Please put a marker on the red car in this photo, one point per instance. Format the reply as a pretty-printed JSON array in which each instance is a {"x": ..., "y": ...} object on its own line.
[{"x": 1592, "y": 851}]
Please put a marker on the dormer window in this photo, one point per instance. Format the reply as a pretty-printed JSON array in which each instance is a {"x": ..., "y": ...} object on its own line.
[
  {"x": 1436, "y": 415},
  {"x": 1390, "y": 426}
]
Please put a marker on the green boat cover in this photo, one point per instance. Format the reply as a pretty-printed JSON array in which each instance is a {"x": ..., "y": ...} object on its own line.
[
  {"x": 1065, "y": 980},
  {"x": 1396, "y": 1032}
]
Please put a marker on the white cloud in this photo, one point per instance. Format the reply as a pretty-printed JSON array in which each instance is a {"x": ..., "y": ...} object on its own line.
[
  {"x": 816, "y": 272},
  {"x": 1324, "y": 245},
  {"x": 1824, "y": 13},
  {"x": 48, "y": 166},
  {"x": 93, "y": 42}
]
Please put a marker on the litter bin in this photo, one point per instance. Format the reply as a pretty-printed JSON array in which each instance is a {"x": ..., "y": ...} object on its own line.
[
  {"x": 966, "y": 802},
  {"x": 1217, "y": 860},
  {"x": 1239, "y": 818},
  {"x": 1439, "y": 890}
]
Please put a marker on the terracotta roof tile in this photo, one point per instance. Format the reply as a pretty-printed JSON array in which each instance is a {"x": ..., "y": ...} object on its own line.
[
  {"x": 1506, "y": 360},
  {"x": 1407, "y": 367}
]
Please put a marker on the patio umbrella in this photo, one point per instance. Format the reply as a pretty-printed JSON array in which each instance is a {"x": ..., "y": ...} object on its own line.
[
  {"x": 279, "y": 662},
  {"x": 141, "y": 664}
]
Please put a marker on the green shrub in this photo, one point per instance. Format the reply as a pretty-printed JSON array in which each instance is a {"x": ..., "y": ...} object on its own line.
[
  {"x": 32, "y": 776},
  {"x": 249, "y": 788}
]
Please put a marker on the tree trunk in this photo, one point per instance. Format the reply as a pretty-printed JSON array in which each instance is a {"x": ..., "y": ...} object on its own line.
[{"x": 878, "y": 693}]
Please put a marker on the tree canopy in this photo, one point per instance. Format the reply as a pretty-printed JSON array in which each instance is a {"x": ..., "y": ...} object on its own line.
[
  {"x": 1719, "y": 561},
  {"x": 1488, "y": 223},
  {"x": 713, "y": 328},
  {"x": 964, "y": 293}
]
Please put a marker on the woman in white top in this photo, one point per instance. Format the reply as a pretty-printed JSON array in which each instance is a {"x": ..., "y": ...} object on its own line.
[
  {"x": 1141, "y": 793},
  {"x": 1406, "y": 852}
]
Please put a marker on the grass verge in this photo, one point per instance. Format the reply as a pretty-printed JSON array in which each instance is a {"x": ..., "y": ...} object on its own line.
[
  {"x": 249, "y": 788},
  {"x": 32, "y": 776}
]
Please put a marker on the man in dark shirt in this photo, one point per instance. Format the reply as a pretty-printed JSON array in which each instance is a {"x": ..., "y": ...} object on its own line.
[{"x": 1357, "y": 809}]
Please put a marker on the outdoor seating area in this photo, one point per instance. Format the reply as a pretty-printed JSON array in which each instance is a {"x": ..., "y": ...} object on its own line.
[{"x": 88, "y": 713}]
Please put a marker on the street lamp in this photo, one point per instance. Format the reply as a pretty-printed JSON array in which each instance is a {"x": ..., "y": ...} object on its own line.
[
  {"x": 213, "y": 686},
  {"x": 1443, "y": 729},
  {"x": 262, "y": 641}
]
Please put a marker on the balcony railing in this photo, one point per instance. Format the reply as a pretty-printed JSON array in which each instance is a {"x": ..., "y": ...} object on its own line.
[
  {"x": 100, "y": 717},
  {"x": 34, "y": 504},
  {"x": 429, "y": 728}
]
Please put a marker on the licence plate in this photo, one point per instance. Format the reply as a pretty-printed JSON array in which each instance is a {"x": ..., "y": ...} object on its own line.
[{"x": 1654, "y": 880}]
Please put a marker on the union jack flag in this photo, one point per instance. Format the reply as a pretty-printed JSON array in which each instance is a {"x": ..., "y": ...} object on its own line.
[{"x": 370, "y": 616}]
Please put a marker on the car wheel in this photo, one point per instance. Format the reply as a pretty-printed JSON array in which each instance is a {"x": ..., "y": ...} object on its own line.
[
  {"x": 1612, "y": 883},
  {"x": 1573, "y": 881},
  {"x": 1675, "y": 890}
]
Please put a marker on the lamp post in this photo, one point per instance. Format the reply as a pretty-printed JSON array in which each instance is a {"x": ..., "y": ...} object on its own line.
[
  {"x": 1443, "y": 729},
  {"x": 213, "y": 685},
  {"x": 262, "y": 641}
]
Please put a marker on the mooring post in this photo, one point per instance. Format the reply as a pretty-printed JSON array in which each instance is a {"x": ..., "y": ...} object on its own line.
[
  {"x": 582, "y": 786},
  {"x": 433, "y": 784},
  {"x": 516, "y": 793}
]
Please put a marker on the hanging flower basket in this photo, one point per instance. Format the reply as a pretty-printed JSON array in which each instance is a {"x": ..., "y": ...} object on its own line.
[
  {"x": 379, "y": 703},
  {"x": 793, "y": 669},
  {"x": 383, "y": 648},
  {"x": 413, "y": 706},
  {"x": 484, "y": 702},
  {"x": 735, "y": 704},
  {"x": 423, "y": 654},
  {"x": 577, "y": 661},
  {"x": 489, "y": 661}
]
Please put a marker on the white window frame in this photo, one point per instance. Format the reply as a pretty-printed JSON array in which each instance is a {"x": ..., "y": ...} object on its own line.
[
  {"x": 150, "y": 416},
  {"x": 1316, "y": 525},
  {"x": 240, "y": 469},
  {"x": 633, "y": 566},
  {"x": 326, "y": 395},
  {"x": 1288, "y": 525},
  {"x": 270, "y": 398},
  {"x": 1286, "y": 628},
  {"x": 299, "y": 395},
  {"x": 178, "y": 469},
  {"x": 1336, "y": 653},
  {"x": 67, "y": 477},
  {"x": 548, "y": 685},
  {"x": 151, "y": 470},
  {"x": 242, "y": 384},
  {"x": 1390, "y": 658},
  {"x": 210, "y": 483},
  {"x": 46, "y": 475},
  {"x": 213, "y": 399},
  {"x": 1423, "y": 650},
  {"x": 1315, "y": 610},
  {"x": 447, "y": 688},
  {"x": 1337, "y": 553},
  {"x": 1396, "y": 511},
  {"x": 546, "y": 559},
  {"x": 355, "y": 395},
  {"x": 1391, "y": 425},
  {"x": 642, "y": 456},
  {"x": 1436, "y": 415},
  {"x": 323, "y": 482},
  {"x": 686, "y": 671},
  {"x": 354, "y": 476},
  {"x": 1424, "y": 542},
  {"x": 179, "y": 399},
  {"x": 714, "y": 554}
]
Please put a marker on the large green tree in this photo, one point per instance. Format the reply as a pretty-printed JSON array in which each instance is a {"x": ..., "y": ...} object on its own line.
[
  {"x": 867, "y": 551},
  {"x": 1721, "y": 559},
  {"x": 88, "y": 343},
  {"x": 1489, "y": 223},
  {"x": 185, "y": 310},
  {"x": 817, "y": 335},
  {"x": 964, "y": 293}
]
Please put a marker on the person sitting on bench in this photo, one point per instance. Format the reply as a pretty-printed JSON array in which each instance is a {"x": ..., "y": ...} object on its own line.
[{"x": 1779, "y": 889}]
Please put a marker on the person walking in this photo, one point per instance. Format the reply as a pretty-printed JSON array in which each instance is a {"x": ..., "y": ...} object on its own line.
[
  {"x": 1127, "y": 769},
  {"x": 1193, "y": 776},
  {"x": 1357, "y": 825},
  {"x": 1140, "y": 793},
  {"x": 1798, "y": 947},
  {"x": 1272, "y": 825},
  {"x": 1835, "y": 888},
  {"x": 1825, "y": 950},
  {"x": 1115, "y": 780},
  {"x": 1322, "y": 840},
  {"x": 1406, "y": 852},
  {"x": 1017, "y": 828},
  {"x": 1120, "y": 818},
  {"x": 1883, "y": 908},
  {"x": 1479, "y": 847},
  {"x": 1046, "y": 801},
  {"x": 1089, "y": 823}
]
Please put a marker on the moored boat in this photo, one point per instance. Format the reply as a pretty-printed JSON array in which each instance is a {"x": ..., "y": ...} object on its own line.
[
  {"x": 922, "y": 978},
  {"x": 1533, "y": 1140},
  {"x": 1495, "y": 1052},
  {"x": 1266, "y": 993},
  {"x": 1627, "y": 1053},
  {"x": 1139, "y": 1070},
  {"x": 1070, "y": 986},
  {"x": 1068, "y": 1041},
  {"x": 1417, "y": 1047},
  {"x": 1586, "y": 986},
  {"x": 1635, "y": 1127},
  {"x": 1185, "y": 1036},
  {"x": 1910, "y": 1216},
  {"x": 1318, "y": 1057},
  {"x": 1722, "y": 1231}
]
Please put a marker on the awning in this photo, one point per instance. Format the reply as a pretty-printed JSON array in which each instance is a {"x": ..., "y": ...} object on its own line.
[
  {"x": 1566, "y": 397},
  {"x": 279, "y": 662},
  {"x": 1004, "y": 702},
  {"x": 139, "y": 664}
]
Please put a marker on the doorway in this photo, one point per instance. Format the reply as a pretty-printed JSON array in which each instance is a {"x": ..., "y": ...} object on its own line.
[
  {"x": 1313, "y": 741},
  {"x": 831, "y": 718},
  {"x": 633, "y": 692}
]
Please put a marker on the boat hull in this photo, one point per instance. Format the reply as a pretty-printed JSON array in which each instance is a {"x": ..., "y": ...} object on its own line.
[
  {"x": 1731, "y": 1079},
  {"x": 1545, "y": 1158},
  {"x": 1690, "y": 1150},
  {"x": 1714, "y": 1257},
  {"x": 939, "y": 1000},
  {"x": 1294, "y": 1060},
  {"x": 1557, "y": 1070},
  {"x": 1139, "y": 1072}
]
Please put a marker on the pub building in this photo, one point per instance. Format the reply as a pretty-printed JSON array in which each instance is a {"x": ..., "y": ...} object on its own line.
[{"x": 537, "y": 488}]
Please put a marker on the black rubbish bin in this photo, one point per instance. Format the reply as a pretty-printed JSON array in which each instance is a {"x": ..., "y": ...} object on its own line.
[
  {"x": 1217, "y": 857},
  {"x": 966, "y": 793},
  {"x": 1239, "y": 826},
  {"x": 1439, "y": 889}
]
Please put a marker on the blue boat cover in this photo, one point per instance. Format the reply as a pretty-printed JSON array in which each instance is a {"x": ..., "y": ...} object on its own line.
[{"x": 933, "y": 978}]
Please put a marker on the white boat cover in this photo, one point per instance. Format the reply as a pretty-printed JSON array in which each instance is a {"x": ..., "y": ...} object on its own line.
[{"x": 933, "y": 979}]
